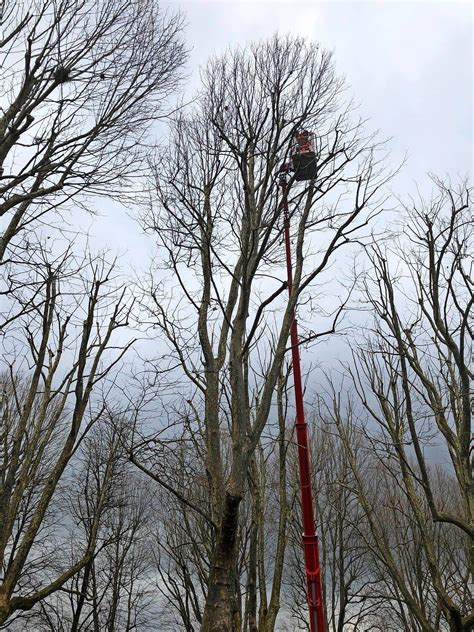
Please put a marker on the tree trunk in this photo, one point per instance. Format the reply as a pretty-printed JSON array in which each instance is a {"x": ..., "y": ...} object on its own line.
[
  {"x": 221, "y": 611},
  {"x": 251, "y": 592},
  {"x": 82, "y": 596}
]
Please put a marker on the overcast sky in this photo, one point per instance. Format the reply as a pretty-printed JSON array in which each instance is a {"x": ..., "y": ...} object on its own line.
[{"x": 409, "y": 66}]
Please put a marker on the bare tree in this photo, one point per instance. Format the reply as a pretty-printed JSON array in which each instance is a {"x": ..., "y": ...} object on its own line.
[
  {"x": 216, "y": 214},
  {"x": 271, "y": 503},
  {"x": 112, "y": 590},
  {"x": 184, "y": 535},
  {"x": 413, "y": 379},
  {"x": 345, "y": 556},
  {"x": 57, "y": 353},
  {"x": 81, "y": 83},
  {"x": 182, "y": 545}
]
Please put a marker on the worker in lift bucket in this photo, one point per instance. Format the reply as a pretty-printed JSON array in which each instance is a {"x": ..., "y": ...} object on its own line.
[{"x": 303, "y": 142}]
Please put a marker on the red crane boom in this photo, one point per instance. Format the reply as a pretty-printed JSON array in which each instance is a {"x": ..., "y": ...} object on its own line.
[{"x": 310, "y": 539}]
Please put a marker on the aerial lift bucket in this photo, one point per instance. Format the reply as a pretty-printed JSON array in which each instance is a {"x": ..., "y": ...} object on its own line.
[{"x": 303, "y": 156}]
